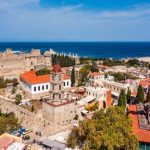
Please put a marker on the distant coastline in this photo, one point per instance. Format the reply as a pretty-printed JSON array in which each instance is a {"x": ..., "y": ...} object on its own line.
[{"x": 86, "y": 49}]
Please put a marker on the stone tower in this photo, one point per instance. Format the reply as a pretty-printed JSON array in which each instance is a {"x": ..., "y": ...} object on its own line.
[
  {"x": 56, "y": 109},
  {"x": 57, "y": 85}
]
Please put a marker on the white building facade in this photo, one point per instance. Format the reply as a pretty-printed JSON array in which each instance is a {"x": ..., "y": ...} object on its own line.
[{"x": 40, "y": 85}]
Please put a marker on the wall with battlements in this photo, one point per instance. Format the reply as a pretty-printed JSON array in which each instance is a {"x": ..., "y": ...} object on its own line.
[
  {"x": 10, "y": 60},
  {"x": 57, "y": 114},
  {"x": 32, "y": 120}
]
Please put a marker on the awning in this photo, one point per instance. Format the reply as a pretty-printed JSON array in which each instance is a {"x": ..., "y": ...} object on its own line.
[
  {"x": 84, "y": 111},
  {"x": 85, "y": 100},
  {"x": 115, "y": 93}
]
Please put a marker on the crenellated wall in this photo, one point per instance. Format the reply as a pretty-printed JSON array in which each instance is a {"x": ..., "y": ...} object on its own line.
[
  {"x": 58, "y": 114},
  {"x": 32, "y": 120},
  {"x": 9, "y": 60}
]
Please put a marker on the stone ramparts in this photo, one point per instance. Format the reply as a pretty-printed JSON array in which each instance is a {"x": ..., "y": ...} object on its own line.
[{"x": 32, "y": 120}]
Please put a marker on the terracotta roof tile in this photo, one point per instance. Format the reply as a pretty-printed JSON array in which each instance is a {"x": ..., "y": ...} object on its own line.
[
  {"x": 66, "y": 77},
  {"x": 108, "y": 99},
  {"x": 142, "y": 135},
  {"x": 31, "y": 78},
  {"x": 96, "y": 74},
  {"x": 145, "y": 82},
  {"x": 56, "y": 68}
]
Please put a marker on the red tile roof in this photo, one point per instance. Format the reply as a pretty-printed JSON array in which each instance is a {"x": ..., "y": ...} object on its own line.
[
  {"x": 145, "y": 82},
  {"x": 66, "y": 77},
  {"x": 108, "y": 99},
  {"x": 96, "y": 74},
  {"x": 31, "y": 78},
  {"x": 56, "y": 68},
  {"x": 142, "y": 135}
]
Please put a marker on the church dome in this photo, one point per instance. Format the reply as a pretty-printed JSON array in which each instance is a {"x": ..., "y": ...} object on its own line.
[{"x": 56, "y": 68}]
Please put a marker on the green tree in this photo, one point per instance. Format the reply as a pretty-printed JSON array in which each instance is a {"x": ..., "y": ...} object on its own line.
[
  {"x": 43, "y": 71},
  {"x": 8, "y": 122},
  {"x": 128, "y": 95},
  {"x": 26, "y": 137},
  {"x": 32, "y": 108},
  {"x": 94, "y": 68},
  {"x": 64, "y": 61},
  {"x": 110, "y": 130},
  {"x": 72, "y": 141},
  {"x": 148, "y": 95},
  {"x": 133, "y": 62},
  {"x": 3, "y": 83},
  {"x": 73, "y": 79},
  {"x": 83, "y": 73},
  {"x": 13, "y": 90},
  {"x": 18, "y": 98},
  {"x": 140, "y": 94},
  {"x": 122, "y": 99}
]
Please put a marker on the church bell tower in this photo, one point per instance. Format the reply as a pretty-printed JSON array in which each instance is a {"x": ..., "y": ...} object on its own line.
[{"x": 57, "y": 85}]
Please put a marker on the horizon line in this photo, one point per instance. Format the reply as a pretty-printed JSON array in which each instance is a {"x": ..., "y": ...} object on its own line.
[{"x": 71, "y": 41}]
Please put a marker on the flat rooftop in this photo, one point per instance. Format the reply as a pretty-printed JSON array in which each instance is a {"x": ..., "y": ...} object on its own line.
[{"x": 58, "y": 103}]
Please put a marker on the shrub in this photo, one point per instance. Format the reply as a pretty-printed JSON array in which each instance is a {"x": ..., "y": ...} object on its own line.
[
  {"x": 18, "y": 98},
  {"x": 26, "y": 137},
  {"x": 43, "y": 72},
  {"x": 93, "y": 106}
]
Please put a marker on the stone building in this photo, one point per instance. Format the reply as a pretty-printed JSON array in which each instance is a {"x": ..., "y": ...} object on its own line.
[
  {"x": 57, "y": 108},
  {"x": 24, "y": 61}
]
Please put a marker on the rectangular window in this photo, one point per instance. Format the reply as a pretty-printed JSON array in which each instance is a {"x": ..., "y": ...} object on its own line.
[
  {"x": 60, "y": 77},
  {"x": 67, "y": 83},
  {"x": 59, "y": 96},
  {"x": 42, "y": 87},
  {"x": 59, "y": 87},
  {"x": 38, "y": 88},
  {"x": 53, "y": 77},
  {"x": 64, "y": 84},
  {"x": 34, "y": 89},
  {"x": 46, "y": 86}
]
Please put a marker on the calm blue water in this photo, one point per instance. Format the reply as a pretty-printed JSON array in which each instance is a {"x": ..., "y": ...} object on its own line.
[{"x": 92, "y": 49}]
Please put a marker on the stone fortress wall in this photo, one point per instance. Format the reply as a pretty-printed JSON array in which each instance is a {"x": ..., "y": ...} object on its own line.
[
  {"x": 32, "y": 120},
  {"x": 11, "y": 63},
  {"x": 60, "y": 113}
]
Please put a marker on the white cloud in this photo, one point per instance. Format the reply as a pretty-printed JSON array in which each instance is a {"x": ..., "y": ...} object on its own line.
[
  {"x": 71, "y": 23},
  {"x": 14, "y": 4}
]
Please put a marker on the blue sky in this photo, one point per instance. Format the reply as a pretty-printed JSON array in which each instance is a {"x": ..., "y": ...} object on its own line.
[{"x": 74, "y": 20}]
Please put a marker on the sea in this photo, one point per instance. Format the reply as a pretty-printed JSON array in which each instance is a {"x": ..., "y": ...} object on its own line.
[{"x": 114, "y": 50}]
